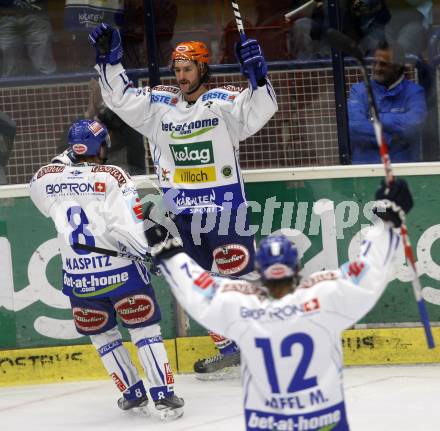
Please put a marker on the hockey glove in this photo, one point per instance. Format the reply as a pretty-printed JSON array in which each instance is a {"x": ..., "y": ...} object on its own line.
[
  {"x": 394, "y": 201},
  {"x": 162, "y": 244},
  {"x": 249, "y": 55},
  {"x": 107, "y": 42}
]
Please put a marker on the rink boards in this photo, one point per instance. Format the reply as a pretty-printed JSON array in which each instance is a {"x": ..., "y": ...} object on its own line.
[
  {"x": 323, "y": 210},
  {"x": 81, "y": 362}
]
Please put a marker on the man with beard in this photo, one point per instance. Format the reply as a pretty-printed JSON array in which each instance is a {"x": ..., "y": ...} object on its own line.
[
  {"x": 194, "y": 134},
  {"x": 401, "y": 105}
]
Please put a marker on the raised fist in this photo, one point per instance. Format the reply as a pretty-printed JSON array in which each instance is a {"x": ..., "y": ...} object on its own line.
[
  {"x": 394, "y": 201},
  {"x": 107, "y": 42}
]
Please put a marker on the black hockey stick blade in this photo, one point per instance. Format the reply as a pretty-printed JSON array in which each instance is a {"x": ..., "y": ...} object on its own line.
[{"x": 337, "y": 40}]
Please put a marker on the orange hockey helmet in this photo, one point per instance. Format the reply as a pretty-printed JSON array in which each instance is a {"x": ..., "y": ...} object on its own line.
[{"x": 191, "y": 51}]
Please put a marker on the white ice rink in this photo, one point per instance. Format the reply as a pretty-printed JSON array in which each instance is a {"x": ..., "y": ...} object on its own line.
[{"x": 392, "y": 398}]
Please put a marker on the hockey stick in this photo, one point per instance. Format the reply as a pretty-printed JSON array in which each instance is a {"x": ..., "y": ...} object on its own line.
[
  {"x": 128, "y": 256},
  {"x": 339, "y": 41},
  {"x": 108, "y": 252},
  {"x": 305, "y": 10},
  {"x": 243, "y": 38}
]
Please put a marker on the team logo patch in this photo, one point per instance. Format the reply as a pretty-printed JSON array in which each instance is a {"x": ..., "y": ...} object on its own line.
[
  {"x": 311, "y": 305},
  {"x": 227, "y": 171},
  {"x": 183, "y": 48},
  {"x": 165, "y": 174},
  {"x": 135, "y": 309},
  {"x": 114, "y": 171},
  {"x": 100, "y": 187},
  {"x": 89, "y": 320},
  {"x": 355, "y": 268},
  {"x": 95, "y": 128},
  {"x": 137, "y": 209},
  {"x": 119, "y": 383},
  {"x": 50, "y": 170},
  {"x": 79, "y": 149},
  {"x": 168, "y": 374},
  {"x": 231, "y": 258},
  {"x": 204, "y": 281},
  {"x": 278, "y": 271}
]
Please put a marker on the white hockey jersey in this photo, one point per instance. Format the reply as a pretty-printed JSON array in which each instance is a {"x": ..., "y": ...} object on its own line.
[
  {"x": 97, "y": 205},
  {"x": 291, "y": 349},
  {"x": 194, "y": 147}
]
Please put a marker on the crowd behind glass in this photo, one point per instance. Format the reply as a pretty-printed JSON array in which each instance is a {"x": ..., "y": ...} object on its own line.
[{"x": 49, "y": 38}]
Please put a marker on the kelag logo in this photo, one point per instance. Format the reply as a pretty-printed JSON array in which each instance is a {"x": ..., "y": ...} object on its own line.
[{"x": 196, "y": 154}]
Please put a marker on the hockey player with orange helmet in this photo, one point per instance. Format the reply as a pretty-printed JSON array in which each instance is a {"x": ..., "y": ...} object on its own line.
[{"x": 194, "y": 133}]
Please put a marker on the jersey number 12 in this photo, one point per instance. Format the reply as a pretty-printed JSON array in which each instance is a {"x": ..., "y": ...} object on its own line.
[{"x": 299, "y": 381}]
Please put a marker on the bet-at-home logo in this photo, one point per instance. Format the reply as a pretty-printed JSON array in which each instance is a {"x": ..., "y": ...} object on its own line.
[
  {"x": 190, "y": 130},
  {"x": 196, "y": 154}
]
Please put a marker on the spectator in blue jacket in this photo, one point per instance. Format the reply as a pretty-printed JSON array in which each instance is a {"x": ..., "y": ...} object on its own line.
[{"x": 402, "y": 110}]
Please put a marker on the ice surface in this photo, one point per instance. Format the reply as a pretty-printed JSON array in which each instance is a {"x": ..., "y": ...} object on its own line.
[{"x": 380, "y": 398}]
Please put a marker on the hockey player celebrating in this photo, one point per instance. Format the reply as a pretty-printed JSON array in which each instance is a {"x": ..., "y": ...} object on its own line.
[
  {"x": 98, "y": 205},
  {"x": 289, "y": 334},
  {"x": 194, "y": 135}
]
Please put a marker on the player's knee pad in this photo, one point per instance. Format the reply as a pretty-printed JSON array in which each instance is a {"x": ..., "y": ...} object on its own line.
[
  {"x": 137, "y": 310},
  {"x": 107, "y": 337},
  {"x": 116, "y": 358},
  {"x": 150, "y": 331},
  {"x": 154, "y": 359},
  {"x": 90, "y": 321}
]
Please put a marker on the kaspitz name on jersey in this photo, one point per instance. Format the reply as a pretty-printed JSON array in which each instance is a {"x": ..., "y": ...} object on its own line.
[{"x": 280, "y": 313}]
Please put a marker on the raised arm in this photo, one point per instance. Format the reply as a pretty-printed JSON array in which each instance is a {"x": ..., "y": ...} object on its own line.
[
  {"x": 364, "y": 279},
  {"x": 131, "y": 104},
  {"x": 195, "y": 289}
]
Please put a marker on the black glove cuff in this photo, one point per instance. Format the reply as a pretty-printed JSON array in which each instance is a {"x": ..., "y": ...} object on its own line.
[
  {"x": 389, "y": 211},
  {"x": 262, "y": 82},
  {"x": 166, "y": 249}
]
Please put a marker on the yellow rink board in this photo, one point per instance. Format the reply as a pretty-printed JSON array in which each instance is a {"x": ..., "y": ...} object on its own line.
[{"x": 74, "y": 363}]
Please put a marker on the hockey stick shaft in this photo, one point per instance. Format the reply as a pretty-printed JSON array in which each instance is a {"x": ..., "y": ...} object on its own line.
[
  {"x": 304, "y": 10},
  {"x": 128, "y": 256},
  {"x": 243, "y": 38},
  {"x": 344, "y": 43},
  {"x": 109, "y": 252}
]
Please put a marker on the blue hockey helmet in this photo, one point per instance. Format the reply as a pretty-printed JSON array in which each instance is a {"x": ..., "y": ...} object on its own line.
[
  {"x": 276, "y": 258},
  {"x": 86, "y": 137}
]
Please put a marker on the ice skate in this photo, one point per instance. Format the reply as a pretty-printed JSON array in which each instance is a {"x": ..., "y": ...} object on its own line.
[
  {"x": 170, "y": 408},
  {"x": 138, "y": 406},
  {"x": 218, "y": 367}
]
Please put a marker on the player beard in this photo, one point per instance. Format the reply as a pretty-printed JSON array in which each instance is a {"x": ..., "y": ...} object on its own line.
[{"x": 192, "y": 86}]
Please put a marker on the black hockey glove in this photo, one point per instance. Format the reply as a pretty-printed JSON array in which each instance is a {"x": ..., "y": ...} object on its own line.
[
  {"x": 394, "y": 201},
  {"x": 107, "y": 42},
  {"x": 162, "y": 244}
]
